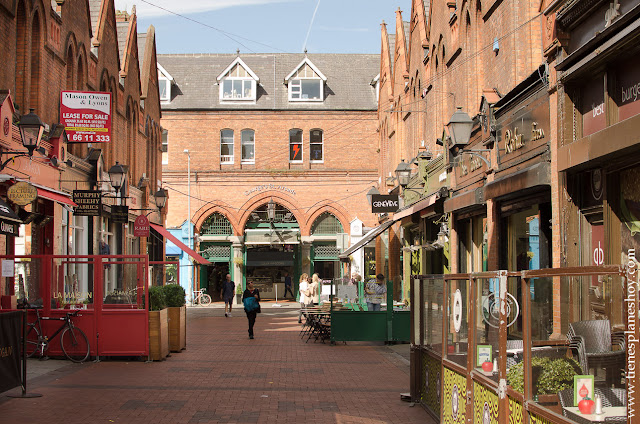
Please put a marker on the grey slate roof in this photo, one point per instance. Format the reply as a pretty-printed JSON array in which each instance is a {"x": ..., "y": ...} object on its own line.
[
  {"x": 347, "y": 86},
  {"x": 142, "y": 41},
  {"x": 94, "y": 10},
  {"x": 122, "y": 29}
]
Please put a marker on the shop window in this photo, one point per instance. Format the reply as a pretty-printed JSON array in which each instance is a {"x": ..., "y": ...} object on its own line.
[
  {"x": 248, "y": 146},
  {"x": 295, "y": 145},
  {"x": 433, "y": 311},
  {"x": 226, "y": 146},
  {"x": 316, "y": 146},
  {"x": 592, "y": 106}
]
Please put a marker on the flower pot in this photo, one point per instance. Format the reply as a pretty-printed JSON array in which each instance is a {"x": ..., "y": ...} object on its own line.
[
  {"x": 177, "y": 328},
  {"x": 158, "y": 335}
]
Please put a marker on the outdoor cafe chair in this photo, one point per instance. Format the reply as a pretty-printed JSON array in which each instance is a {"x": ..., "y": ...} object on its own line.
[{"x": 594, "y": 343}]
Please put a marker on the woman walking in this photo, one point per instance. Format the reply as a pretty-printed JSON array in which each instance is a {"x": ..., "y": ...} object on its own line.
[
  {"x": 251, "y": 312},
  {"x": 303, "y": 289}
]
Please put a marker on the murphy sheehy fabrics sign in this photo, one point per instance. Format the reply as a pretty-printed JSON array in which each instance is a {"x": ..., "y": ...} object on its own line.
[
  {"x": 384, "y": 203},
  {"x": 266, "y": 187}
]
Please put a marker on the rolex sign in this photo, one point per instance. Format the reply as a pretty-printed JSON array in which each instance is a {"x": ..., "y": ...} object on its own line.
[{"x": 384, "y": 203}]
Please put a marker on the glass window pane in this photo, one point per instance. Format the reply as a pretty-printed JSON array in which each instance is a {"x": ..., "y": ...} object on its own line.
[
  {"x": 163, "y": 88},
  {"x": 316, "y": 151},
  {"x": 247, "y": 151},
  {"x": 295, "y": 152},
  {"x": 316, "y": 136},
  {"x": 248, "y": 89},
  {"x": 311, "y": 89},
  {"x": 237, "y": 89},
  {"x": 433, "y": 313},
  {"x": 295, "y": 136},
  {"x": 227, "y": 88},
  {"x": 458, "y": 330},
  {"x": 247, "y": 136}
]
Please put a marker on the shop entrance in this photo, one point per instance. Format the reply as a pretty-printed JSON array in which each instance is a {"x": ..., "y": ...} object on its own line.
[
  {"x": 216, "y": 275},
  {"x": 272, "y": 243}
]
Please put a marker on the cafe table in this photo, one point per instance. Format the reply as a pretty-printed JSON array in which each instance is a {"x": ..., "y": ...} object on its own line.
[{"x": 610, "y": 414}]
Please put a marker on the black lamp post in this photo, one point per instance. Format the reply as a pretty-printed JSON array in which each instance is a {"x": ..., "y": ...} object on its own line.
[
  {"x": 460, "y": 126},
  {"x": 161, "y": 198},
  {"x": 31, "y": 130},
  {"x": 403, "y": 173},
  {"x": 116, "y": 174}
]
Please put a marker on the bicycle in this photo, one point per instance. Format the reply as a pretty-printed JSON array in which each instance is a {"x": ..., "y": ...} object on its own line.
[
  {"x": 74, "y": 343},
  {"x": 201, "y": 297}
]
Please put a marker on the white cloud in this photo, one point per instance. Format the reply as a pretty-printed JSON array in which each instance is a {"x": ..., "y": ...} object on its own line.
[{"x": 185, "y": 7}]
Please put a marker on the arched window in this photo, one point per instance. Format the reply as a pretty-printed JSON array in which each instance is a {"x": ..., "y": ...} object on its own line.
[
  {"x": 216, "y": 225},
  {"x": 226, "y": 146},
  {"x": 295, "y": 145},
  {"x": 248, "y": 146},
  {"x": 80, "y": 75},
  {"x": 316, "y": 148},
  {"x": 70, "y": 69},
  {"x": 326, "y": 224},
  {"x": 36, "y": 43}
]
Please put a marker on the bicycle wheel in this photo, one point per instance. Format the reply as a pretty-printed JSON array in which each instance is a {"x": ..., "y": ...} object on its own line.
[
  {"x": 205, "y": 300},
  {"x": 75, "y": 344},
  {"x": 33, "y": 341}
]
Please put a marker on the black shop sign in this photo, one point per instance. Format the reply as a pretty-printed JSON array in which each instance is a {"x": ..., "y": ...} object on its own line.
[
  {"x": 89, "y": 202},
  {"x": 120, "y": 213},
  {"x": 384, "y": 203}
]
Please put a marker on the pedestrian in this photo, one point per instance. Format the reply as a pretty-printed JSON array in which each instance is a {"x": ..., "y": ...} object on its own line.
[
  {"x": 375, "y": 293},
  {"x": 227, "y": 293},
  {"x": 303, "y": 290},
  {"x": 314, "y": 289},
  {"x": 287, "y": 285},
  {"x": 251, "y": 314}
]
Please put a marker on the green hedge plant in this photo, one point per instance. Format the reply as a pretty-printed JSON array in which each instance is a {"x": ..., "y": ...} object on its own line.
[
  {"x": 550, "y": 375},
  {"x": 157, "y": 299},
  {"x": 175, "y": 295}
]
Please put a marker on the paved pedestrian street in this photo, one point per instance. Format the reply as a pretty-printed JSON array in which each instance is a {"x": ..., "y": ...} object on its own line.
[{"x": 223, "y": 377}]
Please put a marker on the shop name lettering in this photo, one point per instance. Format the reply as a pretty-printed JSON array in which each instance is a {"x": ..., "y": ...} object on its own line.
[
  {"x": 631, "y": 301},
  {"x": 630, "y": 93},
  {"x": 8, "y": 228},
  {"x": 269, "y": 187},
  {"x": 88, "y": 201},
  {"x": 475, "y": 163},
  {"x": 386, "y": 204},
  {"x": 89, "y": 99},
  {"x": 515, "y": 141}
]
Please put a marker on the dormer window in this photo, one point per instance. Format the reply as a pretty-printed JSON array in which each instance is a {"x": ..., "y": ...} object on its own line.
[
  {"x": 306, "y": 83},
  {"x": 164, "y": 84},
  {"x": 237, "y": 83}
]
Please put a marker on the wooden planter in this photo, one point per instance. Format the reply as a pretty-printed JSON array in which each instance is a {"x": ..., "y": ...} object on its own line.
[
  {"x": 158, "y": 335},
  {"x": 177, "y": 328},
  {"x": 551, "y": 402}
]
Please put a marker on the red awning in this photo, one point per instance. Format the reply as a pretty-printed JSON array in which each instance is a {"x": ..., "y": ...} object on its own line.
[
  {"x": 186, "y": 249},
  {"x": 55, "y": 196}
]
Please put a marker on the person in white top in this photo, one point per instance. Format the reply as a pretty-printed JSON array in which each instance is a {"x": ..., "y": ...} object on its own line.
[
  {"x": 305, "y": 300},
  {"x": 314, "y": 289}
]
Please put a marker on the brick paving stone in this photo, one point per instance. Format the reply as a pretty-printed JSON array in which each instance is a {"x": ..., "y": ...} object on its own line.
[{"x": 223, "y": 377}]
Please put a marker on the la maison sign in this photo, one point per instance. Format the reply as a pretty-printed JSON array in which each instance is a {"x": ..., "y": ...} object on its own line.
[{"x": 384, "y": 203}]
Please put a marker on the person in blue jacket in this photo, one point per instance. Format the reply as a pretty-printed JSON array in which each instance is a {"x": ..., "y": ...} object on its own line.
[{"x": 251, "y": 315}]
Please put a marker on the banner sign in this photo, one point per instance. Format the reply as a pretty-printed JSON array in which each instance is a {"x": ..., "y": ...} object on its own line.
[
  {"x": 384, "y": 203},
  {"x": 10, "y": 370},
  {"x": 86, "y": 116},
  {"x": 120, "y": 213},
  {"x": 141, "y": 227},
  {"x": 89, "y": 202}
]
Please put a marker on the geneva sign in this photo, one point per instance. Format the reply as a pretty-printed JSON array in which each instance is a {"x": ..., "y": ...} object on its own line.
[{"x": 384, "y": 203}]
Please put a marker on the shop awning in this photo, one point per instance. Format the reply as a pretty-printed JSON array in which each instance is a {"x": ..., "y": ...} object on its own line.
[
  {"x": 416, "y": 207},
  {"x": 366, "y": 239},
  {"x": 166, "y": 234},
  {"x": 56, "y": 196}
]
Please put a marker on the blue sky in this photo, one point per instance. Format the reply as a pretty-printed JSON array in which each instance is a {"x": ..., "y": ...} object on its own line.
[{"x": 267, "y": 26}]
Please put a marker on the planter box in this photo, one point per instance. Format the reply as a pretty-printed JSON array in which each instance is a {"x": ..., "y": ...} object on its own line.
[
  {"x": 177, "y": 328},
  {"x": 158, "y": 335},
  {"x": 551, "y": 402}
]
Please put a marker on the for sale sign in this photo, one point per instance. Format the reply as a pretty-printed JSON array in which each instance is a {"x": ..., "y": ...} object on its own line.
[{"x": 86, "y": 116}]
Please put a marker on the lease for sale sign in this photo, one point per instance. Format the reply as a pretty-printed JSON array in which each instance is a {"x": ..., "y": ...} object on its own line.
[{"x": 86, "y": 116}]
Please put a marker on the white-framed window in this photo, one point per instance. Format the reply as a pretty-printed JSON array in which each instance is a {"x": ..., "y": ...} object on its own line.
[
  {"x": 165, "y": 147},
  {"x": 165, "y": 80},
  {"x": 316, "y": 150},
  {"x": 133, "y": 243},
  {"x": 306, "y": 83},
  {"x": 248, "y": 146},
  {"x": 237, "y": 83},
  {"x": 295, "y": 145},
  {"x": 164, "y": 86},
  {"x": 226, "y": 146}
]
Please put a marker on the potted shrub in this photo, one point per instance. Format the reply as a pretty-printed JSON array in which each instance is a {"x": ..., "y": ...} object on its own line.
[
  {"x": 239, "y": 292},
  {"x": 177, "y": 312},
  {"x": 549, "y": 375},
  {"x": 158, "y": 324}
]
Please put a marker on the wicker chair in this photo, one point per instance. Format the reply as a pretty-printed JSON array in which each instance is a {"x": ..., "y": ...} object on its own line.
[
  {"x": 594, "y": 343},
  {"x": 610, "y": 397}
]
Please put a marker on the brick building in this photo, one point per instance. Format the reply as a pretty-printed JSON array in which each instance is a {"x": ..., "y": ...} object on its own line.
[
  {"x": 83, "y": 46},
  {"x": 294, "y": 130}
]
